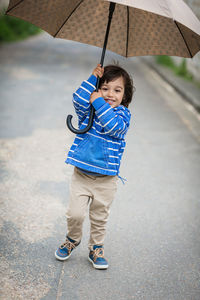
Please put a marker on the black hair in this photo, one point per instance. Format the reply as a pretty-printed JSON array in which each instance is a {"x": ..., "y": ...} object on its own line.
[{"x": 112, "y": 72}]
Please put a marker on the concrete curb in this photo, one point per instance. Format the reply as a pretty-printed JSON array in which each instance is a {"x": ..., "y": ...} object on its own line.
[{"x": 188, "y": 90}]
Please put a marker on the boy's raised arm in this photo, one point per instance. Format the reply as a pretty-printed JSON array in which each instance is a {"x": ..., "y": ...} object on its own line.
[
  {"x": 81, "y": 98},
  {"x": 115, "y": 123}
]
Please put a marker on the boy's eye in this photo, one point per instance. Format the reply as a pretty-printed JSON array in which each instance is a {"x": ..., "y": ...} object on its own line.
[
  {"x": 104, "y": 89},
  {"x": 118, "y": 91}
]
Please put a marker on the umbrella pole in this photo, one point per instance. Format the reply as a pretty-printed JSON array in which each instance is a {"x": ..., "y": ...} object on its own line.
[{"x": 91, "y": 117}]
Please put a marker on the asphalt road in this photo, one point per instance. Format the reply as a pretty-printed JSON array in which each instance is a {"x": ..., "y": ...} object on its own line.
[{"x": 153, "y": 241}]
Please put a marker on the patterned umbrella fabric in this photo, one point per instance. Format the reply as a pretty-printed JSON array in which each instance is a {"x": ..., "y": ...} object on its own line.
[{"x": 138, "y": 28}]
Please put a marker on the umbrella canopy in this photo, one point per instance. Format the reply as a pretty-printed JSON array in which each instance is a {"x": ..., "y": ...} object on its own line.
[{"x": 139, "y": 27}]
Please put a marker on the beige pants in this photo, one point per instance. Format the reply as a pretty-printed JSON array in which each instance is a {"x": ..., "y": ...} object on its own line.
[{"x": 98, "y": 193}]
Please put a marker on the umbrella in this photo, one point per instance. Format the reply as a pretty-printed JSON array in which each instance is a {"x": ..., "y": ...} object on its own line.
[{"x": 138, "y": 28}]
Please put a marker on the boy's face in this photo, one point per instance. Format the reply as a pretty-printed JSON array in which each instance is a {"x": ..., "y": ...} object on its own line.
[{"x": 113, "y": 91}]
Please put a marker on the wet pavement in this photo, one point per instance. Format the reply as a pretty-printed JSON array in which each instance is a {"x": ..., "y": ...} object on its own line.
[{"x": 152, "y": 242}]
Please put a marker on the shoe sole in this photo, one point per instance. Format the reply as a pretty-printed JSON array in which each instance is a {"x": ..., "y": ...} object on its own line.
[
  {"x": 62, "y": 258},
  {"x": 99, "y": 267}
]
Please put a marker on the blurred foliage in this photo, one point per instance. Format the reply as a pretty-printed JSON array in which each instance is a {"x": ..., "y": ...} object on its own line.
[
  {"x": 165, "y": 60},
  {"x": 180, "y": 70},
  {"x": 14, "y": 29}
]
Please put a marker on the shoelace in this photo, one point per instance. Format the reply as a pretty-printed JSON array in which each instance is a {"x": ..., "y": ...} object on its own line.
[
  {"x": 98, "y": 252},
  {"x": 69, "y": 245}
]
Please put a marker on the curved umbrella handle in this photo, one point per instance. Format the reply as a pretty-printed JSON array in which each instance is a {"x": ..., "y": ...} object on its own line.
[
  {"x": 91, "y": 117},
  {"x": 84, "y": 130},
  {"x": 90, "y": 121}
]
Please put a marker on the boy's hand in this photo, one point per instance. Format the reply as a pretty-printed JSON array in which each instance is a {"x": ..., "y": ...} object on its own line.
[
  {"x": 95, "y": 95},
  {"x": 98, "y": 71}
]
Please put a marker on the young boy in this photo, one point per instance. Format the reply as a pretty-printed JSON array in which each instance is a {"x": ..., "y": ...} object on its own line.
[{"x": 96, "y": 156}]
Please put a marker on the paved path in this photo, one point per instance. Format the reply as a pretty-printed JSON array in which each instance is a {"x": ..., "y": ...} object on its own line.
[{"x": 153, "y": 241}]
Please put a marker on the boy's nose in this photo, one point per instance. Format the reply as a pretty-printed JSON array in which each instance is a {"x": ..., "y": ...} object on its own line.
[{"x": 110, "y": 93}]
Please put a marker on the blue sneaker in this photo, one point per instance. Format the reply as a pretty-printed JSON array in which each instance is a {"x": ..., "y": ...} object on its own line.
[
  {"x": 96, "y": 257},
  {"x": 65, "y": 250}
]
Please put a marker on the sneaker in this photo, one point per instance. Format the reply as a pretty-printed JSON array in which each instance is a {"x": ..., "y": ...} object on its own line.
[
  {"x": 65, "y": 250},
  {"x": 96, "y": 257}
]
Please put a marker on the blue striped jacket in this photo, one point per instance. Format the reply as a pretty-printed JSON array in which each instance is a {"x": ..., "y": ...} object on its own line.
[{"x": 100, "y": 149}]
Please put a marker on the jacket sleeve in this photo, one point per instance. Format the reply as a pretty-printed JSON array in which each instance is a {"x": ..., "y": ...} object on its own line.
[
  {"x": 114, "y": 122},
  {"x": 81, "y": 98}
]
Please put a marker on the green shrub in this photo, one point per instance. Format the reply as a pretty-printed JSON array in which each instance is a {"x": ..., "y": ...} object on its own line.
[
  {"x": 165, "y": 60},
  {"x": 14, "y": 29},
  {"x": 180, "y": 70}
]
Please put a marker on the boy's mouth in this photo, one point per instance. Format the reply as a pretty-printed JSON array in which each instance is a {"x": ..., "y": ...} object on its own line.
[{"x": 110, "y": 101}]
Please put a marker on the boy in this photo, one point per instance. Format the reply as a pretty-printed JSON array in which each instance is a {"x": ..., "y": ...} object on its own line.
[{"x": 96, "y": 156}]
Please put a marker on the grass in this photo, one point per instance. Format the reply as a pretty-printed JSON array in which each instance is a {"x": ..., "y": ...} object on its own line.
[
  {"x": 14, "y": 29},
  {"x": 180, "y": 70}
]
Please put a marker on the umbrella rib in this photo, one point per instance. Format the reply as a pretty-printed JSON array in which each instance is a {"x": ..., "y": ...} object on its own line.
[
  {"x": 127, "y": 35},
  {"x": 14, "y": 6},
  {"x": 183, "y": 39},
  {"x": 68, "y": 17}
]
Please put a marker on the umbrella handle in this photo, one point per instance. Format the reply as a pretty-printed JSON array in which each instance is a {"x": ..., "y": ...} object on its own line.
[
  {"x": 91, "y": 117},
  {"x": 90, "y": 121},
  {"x": 84, "y": 130}
]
